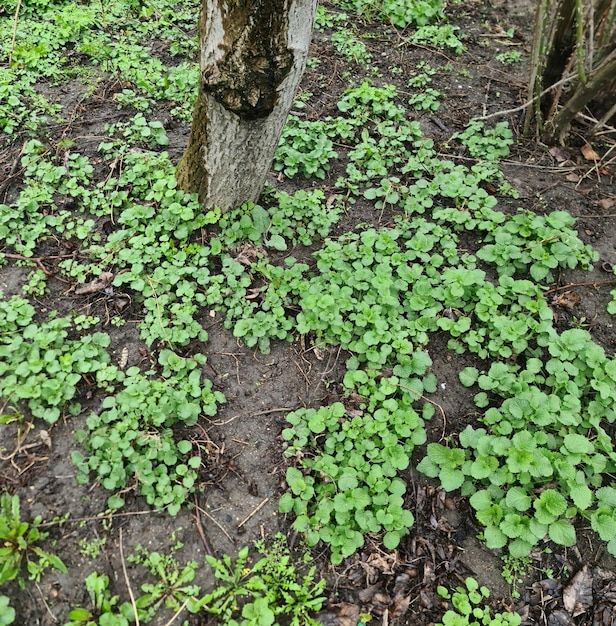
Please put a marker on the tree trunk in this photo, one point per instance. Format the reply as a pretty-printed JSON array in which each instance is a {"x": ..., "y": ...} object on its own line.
[
  {"x": 252, "y": 56},
  {"x": 572, "y": 64},
  {"x": 599, "y": 81}
]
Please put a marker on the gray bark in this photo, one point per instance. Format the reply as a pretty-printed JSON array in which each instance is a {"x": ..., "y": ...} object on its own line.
[{"x": 252, "y": 56}]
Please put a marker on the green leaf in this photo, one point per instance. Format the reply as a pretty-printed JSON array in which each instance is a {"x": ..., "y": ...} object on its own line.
[
  {"x": 347, "y": 481},
  {"x": 602, "y": 522},
  {"x": 481, "y": 500},
  {"x": 562, "y": 533},
  {"x": 451, "y": 479},
  {"x": 581, "y": 495},
  {"x": 518, "y": 499},
  {"x": 115, "y": 502},
  {"x": 391, "y": 539},
  {"x": 80, "y": 615},
  {"x": 552, "y": 501},
  {"x": 495, "y": 538},
  {"x": 578, "y": 444},
  {"x": 184, "y": 447},
  {"x": 277, "y": 242},
  {"x": 519, "y": 548},
  {"x": 468, "y": 376}
]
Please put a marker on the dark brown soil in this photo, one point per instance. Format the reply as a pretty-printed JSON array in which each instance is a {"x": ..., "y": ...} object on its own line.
[{"x": 244, "y": 478}]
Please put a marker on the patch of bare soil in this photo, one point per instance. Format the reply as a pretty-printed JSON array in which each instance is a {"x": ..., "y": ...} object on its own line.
[{"x": 242, "y": 479}]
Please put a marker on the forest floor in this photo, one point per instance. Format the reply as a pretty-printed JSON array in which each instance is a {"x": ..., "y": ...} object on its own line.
[{"x": 243, "y": 471}]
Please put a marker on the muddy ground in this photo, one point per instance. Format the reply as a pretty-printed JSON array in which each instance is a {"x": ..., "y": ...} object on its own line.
[{"x": 238, "y": 501}]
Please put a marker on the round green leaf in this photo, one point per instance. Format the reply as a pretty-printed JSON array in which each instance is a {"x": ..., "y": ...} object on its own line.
[
  {"x": 562, "y": 533},
  {"x": 468, "y": 376}
]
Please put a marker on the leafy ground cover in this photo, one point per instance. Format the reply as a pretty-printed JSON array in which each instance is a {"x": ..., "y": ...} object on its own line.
[{"x": 386, "y": 392}]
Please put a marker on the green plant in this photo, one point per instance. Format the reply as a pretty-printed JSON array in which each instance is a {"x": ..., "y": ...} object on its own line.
[
  {"x": 172, "y": 589},
  {"x": 351, "y": 48},
  {"x": 398, "y": 12},
  {"x": 304, "y": 148},
  {"x": 39, "y": 366},
  {"x": 510, "y": 57},
  {"x": 546, "y": 457},
  {"x": 514, "y": 570},
  {"x": 469, "y": 607},
  {"x": 92, "y": 547},
  {"x": 19, "y": 545},
  {"x": 351, "y": 487},
  {"x": 537, "y": 244},
  {"x": 174, "y": 582},
  {"x": 105, "y": 609},
  {"x": 427, "y": 100},
  {"x": 139, "y": 130},
  {"x": 37, "y": 283},
  {"x": 439, "y": 36},
  {"x": 131, "y": 442},
  {"x": 7, "y": 612},
  {"x": 271, "y": 588},
  {"x": 487, "y": 144},
  {"x": 423, "y": 76}
]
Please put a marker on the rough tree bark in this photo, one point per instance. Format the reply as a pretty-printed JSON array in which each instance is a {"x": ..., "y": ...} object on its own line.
[
  {"x": 252, "y": 56},
  {"x": 573, "y": 64}
]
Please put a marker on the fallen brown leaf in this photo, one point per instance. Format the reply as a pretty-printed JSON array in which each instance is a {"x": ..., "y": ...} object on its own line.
[
  {"x": 96, "y": 284},
  {"x": 577, "y": 595},
  {"x": 568, "y": 299},
  {"x": 343, "y": 614},
  {"x": 45, "y": 438},
  {"x": 559, "y": 154},
  {"x": 606, "y": 203},
  {"x": 588, "y": 153}
]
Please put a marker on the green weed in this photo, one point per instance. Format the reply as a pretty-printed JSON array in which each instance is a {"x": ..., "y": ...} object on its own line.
[
  {"x": 20, "y": 546},
  {"x": 40, "y": 368},
  {"x": 132, "y": 441},
  {"x": 469, "y": 608}
]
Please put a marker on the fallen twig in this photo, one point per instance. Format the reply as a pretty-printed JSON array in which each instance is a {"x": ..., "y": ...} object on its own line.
[
  {"x": 227, "y": 535},
  {"x": 130, "y": 590},
  {"x": 255, "y": 511},
  {"x": 206, "y": 543},
  {"x": 591, "y": 284}
]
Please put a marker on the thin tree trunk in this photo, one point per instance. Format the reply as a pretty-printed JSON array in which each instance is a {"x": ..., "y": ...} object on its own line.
[
  {"x": 252, "y": 56},
  {"x": 598, "y": 81}
]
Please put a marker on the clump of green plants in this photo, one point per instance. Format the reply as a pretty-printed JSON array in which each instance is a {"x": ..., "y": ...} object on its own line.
[
  {"x": 544, "y": 456},
  {"x": 292, "y": 219},
  {"x": 19, "y": 542},
  {"x": 514, "y": 570},
  {"x": 265, "y": 591},
  {"x": 304, "y": 149},
  {"x": 487, "y": 144},
  {"x": 397, "y": 12},
  {"x": 510, "y": 57},
  {"x": 174, "y": 583},
  {"x": 469, "y": 607},
  {"x": 131, "y": 443},
  {"x": 536, "y": 244},
  {"x": 428, "y": 100},
  {"x": 40, "y": 368},
  {"x": 20, "y": 105},
  {"x": 172, "y": 588},
  {"x": 140, "y": 130},
  {"x": 350, "y": 47},
  {"x": 351, "y": 487},
  {"x": 439, "y": 36},
  {"x": 45, "y": 178},
  {"x": 250, "y": 591},
  {"x": 105, "y": 605}
]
